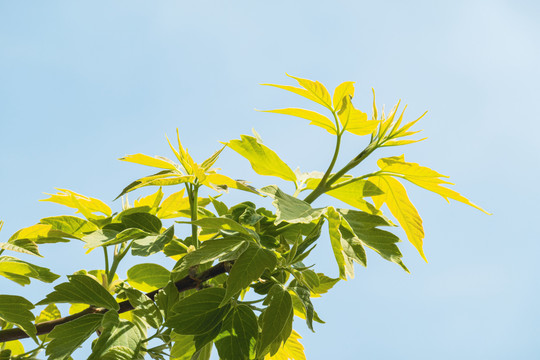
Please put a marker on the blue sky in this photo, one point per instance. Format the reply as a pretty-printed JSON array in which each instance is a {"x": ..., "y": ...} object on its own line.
[{"x": 84, "y": 83}]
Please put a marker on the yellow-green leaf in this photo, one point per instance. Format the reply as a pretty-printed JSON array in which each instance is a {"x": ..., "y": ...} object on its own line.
[
  {"x": 263, "y": 160},
  {"x": 345, "y": 89},
  {"x": 344, "y": 264},
  {"x": 153, "y": 161},
  {"x": 313, "y": 90},
  {"x": 222, "y": 182},
  {"x": 424, "y": 177},
  {"x": 151, "y": 200},
  {"x": 396, "y": 198},
  {"x": 212, "y": 159},
  {"x": 84, "y": 204},
  {"x": 291, "y": 350},
  {"x": 314, "y": 117},
  {"x": 354, "y": 120}
]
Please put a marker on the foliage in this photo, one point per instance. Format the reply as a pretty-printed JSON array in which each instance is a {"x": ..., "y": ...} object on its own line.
[{"x": 244, "y": 272}]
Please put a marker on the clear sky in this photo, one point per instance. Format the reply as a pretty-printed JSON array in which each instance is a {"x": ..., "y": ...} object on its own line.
[{"x": 84, "y": 83}]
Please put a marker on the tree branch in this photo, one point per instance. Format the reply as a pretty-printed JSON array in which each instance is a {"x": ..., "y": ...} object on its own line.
[{"x": 186, "y": 283}]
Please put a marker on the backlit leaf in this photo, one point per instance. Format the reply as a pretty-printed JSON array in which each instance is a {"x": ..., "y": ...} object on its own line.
[
  {"x": 148, "y": 277},
  {"x": 291, "y": 350},
  {"x": 152, "y": 244},
  {"x": 152, "y": 201},
  {"x": 345, "y": 89},
  {"x": 153, "y": 161},
  {"x": 395, "y": 197},
  {"x": 20, "y": 271},
  {"x": 424, "y": 177},
  {"x": 263, "y": 160},
  {"x": 314, "y": 117},
  {"x": 24, "y": 246},
  {"x": 144, "y": 307},
  {"x": 84, "y": 204},
  {"x": 72, "y": 225},
  {"x": 162, "y": 178},
  {"x": 354, "y": 120},
  {"x": 345, "y": 264}
]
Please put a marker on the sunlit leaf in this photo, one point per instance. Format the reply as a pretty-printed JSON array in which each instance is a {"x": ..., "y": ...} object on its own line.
[
  {"x": 20, "y": 271},
  {"x": 345, "y": 89},
  {"x": 162, "y": 178},
  {"x": 354, "y": 120},
  {"x": 148, "y": 277},
  {"x": 344, "y": 263},
  {"x": 314, "y": 117},
  {"x": 152, "y": 244},
  {"x": 153, "y": 161},
  {"x": 84, "y": 204},
  {"x": 151, "y": 200},
  {"x": 24, "y": 246},
  {"x": 396, "y": 198},
  {"x": 144, "y": 307},
  {"x": 424, "y": 177},
  {"x": 263, "y": 160},
  {"x": 291, "y": 350},
  {"x": 222, "y": 182}
]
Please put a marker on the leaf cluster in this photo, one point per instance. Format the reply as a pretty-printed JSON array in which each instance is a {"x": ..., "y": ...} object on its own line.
[{"x": 244, "y": 272}]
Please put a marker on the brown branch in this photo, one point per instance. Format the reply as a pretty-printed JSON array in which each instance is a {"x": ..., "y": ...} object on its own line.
[{"x": 186, "y": 283}]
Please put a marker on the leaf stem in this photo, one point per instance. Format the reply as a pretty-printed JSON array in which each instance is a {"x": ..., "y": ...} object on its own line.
[
  {"x": 193, "y": 193},
  {"x": 116, "y": 261},
  {"x": 106, "y": 255},
  {"x": 323, "y": 184}
]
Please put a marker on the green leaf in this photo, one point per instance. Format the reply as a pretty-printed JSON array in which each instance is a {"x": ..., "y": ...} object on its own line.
[
  {"x": 162, "y": 178},
  {"x": 16, "y": 310},
  {"x": 325, "y": 284},
  {"x": 275, "y": 318},
  {"x": 183, "y": 347},
  {"x": 152, "y": 244},
  {"x": 148, "y": 277},
  {"x": 248, "y": 268},
  {"x": 220, "y": 207},
  {"x": 263, "y": 160},
  {"x": 314, "y": 117},
  {"x": 383, "y": 242},
  {"x": 40, "y": 234},
  {"x": 24, "y": 246},
  {"x": 345, "y": 264},
  {"x": 304, "y": 294},
  {"x": 153, "y": 161},
  {"x": 166, "y": 298},
  {"x": 199, "y": 312},
  {"x": 211, "y": 250},
  {"x": 72, "y": 225},
  {"x": 292, "y": 349},
  {"x": 144, "y": 221},
  {"x": 20, "y": 271},
  {"x": 238, "y": 334},
  {"x": 144, "y": 307},
  {"x": 81, "y": 289},
  {"x": 291, "y": 209},
  {"x": 120, "y": 340},
  {"x": 68, "y": 337},
  {"x": 221, "y": 223}
]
